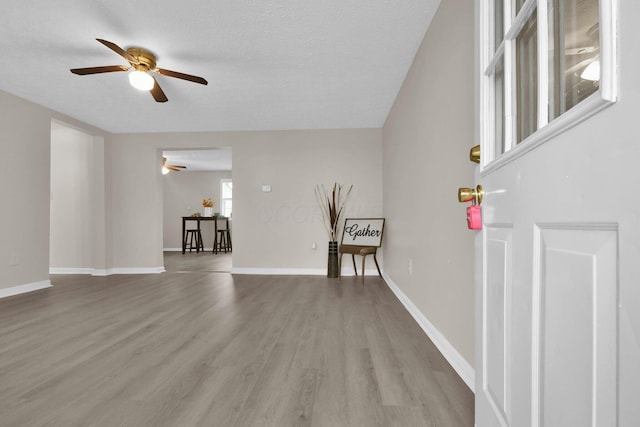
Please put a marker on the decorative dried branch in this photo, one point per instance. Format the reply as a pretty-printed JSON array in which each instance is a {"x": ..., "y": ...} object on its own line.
[
  {"x": 325, "y": 218},
  {"x": 332, "y": 207}
]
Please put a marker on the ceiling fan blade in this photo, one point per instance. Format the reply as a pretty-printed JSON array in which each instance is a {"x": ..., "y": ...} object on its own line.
[
  {"x": 173, "y": 168},
  {"x": 182, "y": 76},
  {"x": 120, "y": 51},
  {"x": 178, "y": 166},
  {"x": 98, "y": 70},
  {"x": 157, "y": 92}
]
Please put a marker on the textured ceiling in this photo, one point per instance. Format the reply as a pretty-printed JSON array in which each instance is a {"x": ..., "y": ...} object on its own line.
[{"x": 288, "y": 64}]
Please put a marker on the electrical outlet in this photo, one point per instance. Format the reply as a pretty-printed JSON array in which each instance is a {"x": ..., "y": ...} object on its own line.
[
  {"x": 14, "y": 259},
  {"x": 410, "y": 267},
  {"x": 314, "y": 246}
]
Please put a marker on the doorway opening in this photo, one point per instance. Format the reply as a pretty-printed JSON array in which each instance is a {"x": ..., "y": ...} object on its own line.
[{"x": 197, "y": 176}]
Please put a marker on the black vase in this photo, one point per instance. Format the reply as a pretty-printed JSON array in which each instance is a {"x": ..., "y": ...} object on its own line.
[{"x": 332, "y": 262}]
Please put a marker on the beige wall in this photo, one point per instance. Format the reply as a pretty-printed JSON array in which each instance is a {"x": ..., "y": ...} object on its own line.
[
  {"x": 271, "y": 230},
  {"x": 25, "y": 141},
  {"x": 24, "y": 192},
  {"x": 277, "y": 229},
  {"x": 77, "y": 200},
  {"x": 426, "y": 140},
  {"x": 182, "y": 195}
]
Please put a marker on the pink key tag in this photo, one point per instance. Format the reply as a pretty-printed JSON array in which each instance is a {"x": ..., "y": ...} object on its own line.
[{"x": 474, "y": 217}]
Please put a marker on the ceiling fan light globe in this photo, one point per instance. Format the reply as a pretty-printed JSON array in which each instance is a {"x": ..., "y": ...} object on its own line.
[
  {"x": 165, "y": 170},
  {"x": 141, "y": 80},
  {"x": 592, "y": 72}
]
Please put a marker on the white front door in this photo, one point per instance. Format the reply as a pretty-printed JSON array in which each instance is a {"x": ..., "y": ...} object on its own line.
[
  {"x": 559, "y": 298},
  {"x": 558, "y": 275}
]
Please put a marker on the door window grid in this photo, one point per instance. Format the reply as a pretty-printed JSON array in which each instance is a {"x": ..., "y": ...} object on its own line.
[{"x": 524, "y": 86}]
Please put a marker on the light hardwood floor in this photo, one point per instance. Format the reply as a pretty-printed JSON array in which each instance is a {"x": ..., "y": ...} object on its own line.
[{"x": 197, "y": 346}]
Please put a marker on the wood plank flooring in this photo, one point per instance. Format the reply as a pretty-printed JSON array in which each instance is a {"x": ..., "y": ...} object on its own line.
[{"x": 196, "y": 346}]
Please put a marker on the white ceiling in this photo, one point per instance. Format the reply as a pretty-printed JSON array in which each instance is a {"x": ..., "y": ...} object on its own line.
[{"x": 270, "y": 64}]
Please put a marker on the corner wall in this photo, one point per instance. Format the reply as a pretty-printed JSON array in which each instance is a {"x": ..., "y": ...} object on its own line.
[{"x": 426, "y": 142}]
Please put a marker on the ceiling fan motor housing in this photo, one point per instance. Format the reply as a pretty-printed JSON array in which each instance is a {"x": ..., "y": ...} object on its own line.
[{"x": 146, "y": 59}]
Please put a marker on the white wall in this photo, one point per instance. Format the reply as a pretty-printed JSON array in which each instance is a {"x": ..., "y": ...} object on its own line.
[
  {"x": 182, "y": 195},
  {"x": 426, "y": 141}
]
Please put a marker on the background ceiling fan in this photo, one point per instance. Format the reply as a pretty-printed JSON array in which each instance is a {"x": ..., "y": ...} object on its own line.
[
  {"x": 583, "y": 61},
  {"x": 166, "y": 167},
  {"x": 143, "y": 62}
]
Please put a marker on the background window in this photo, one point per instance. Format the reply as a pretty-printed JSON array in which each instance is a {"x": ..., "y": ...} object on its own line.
[{"x": 226, "y": 196}]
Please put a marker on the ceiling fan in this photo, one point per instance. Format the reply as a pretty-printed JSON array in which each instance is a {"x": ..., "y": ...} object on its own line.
[
  {"x": 166, "y": 167},
  {"x": 584, "y": 60},
  {"x": 143, "y": 62}
]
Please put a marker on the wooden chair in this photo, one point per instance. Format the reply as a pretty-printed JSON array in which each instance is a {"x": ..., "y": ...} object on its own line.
[
  {"x": 363, "y": 237},
  {"x": 363, "y": 251}
]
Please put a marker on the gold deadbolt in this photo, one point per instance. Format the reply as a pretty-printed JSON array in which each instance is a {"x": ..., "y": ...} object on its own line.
[
  {"x": 471, "y": 194},
  {"x": 474, "y": 154}
]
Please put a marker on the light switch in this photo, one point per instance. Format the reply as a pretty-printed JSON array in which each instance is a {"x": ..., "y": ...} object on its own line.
[{"x": 266, "y": 188}]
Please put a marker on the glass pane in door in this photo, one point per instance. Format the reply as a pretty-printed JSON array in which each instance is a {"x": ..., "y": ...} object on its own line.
[
  {"x": 574, "y": 53},
  {"x": 527, "y": 79},
  {"x": 499, "y": 108},
  {"x": 519, "y": 4},
  {"x": 498, "y": 23}
]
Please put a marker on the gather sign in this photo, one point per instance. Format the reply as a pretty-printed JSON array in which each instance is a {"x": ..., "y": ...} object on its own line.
[{"x": 363, "y": 232}]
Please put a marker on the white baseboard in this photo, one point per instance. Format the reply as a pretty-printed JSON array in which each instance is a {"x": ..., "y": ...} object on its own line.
[
  {"x": 100, "y": 272},
  {"x": 106, "y": 272},
  {"x": 23, "y": 289},
  {"x": 150, "y": 270},
  {"x": 455, "y": 359},
  {"x": 293, "y": 271},
  {"x": 280, "y": 271},
  {"x": 66, "y": 270}
]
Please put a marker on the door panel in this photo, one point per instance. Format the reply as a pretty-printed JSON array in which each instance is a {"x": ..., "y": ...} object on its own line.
[
  {"x": 560, "y": 255},
  {"x": 575, "y": 328},
  {"x": 497, "y": 309}
]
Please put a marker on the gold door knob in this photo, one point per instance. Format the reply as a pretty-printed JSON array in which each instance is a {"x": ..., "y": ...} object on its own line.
[
  {"x": 471, "y": 194},
  {"x": 474, "y": 154}
]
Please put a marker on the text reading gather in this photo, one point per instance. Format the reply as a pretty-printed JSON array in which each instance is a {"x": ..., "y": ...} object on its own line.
[{"x": 354, "y": 231}]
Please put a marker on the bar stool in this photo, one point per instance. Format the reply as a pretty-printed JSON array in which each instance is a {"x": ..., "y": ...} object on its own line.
[
  {"x": 189, "y": 238},
  {"x": 224, "y": 238}
]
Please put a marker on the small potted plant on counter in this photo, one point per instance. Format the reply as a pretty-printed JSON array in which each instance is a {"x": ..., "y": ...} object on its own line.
[{"x": 208, "y": 206}]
